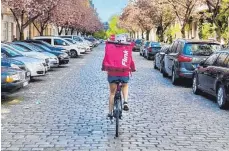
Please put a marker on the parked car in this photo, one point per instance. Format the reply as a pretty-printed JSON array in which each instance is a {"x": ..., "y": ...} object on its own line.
[
  {"x": 159, "y": 57},
  {"x": 185, "y": 55},
  {"x": 143, "y": 48},
  {"x": 12, "y": 79},
  {"x": 31, "y": 54},
  {"x": 13, "y": 63},
  {"x": 47, "y": 45},
  {"x": 62, "y": 57},
  {"x": 152, "y": 50},
  {"x": 57, "y": 41},
  {"x": 79, "y": 45},
  {"x": 92, "y": 40},
  {"x": 53, "y": 60},
  {"x": 212, "y": 77},
  {"x": 35, "y": 66},
  {"x": 79, "y": 39},
  {"x": 137, "y": 45}
]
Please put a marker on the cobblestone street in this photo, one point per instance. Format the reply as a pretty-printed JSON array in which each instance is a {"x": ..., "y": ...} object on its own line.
[{"x": 66, "y": 110}]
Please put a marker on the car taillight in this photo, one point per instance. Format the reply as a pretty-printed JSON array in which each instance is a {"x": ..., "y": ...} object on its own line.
[
  {"x": 182, "y": 58},
  {"x": 149, "y": 49}
]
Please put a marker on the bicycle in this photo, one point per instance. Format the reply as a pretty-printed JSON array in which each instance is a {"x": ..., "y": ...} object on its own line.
[{"x": 117, "y": 107}]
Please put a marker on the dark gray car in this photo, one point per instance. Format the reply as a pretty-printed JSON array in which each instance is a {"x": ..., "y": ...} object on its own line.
[
  {"x": 185, "y": 55},
  {"x": 159, "y": 57}
]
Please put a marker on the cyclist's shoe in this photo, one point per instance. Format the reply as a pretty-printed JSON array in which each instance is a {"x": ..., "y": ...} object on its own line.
[
  {"x": 125, "y": 108},
  {"x": 110, "y": 116}
]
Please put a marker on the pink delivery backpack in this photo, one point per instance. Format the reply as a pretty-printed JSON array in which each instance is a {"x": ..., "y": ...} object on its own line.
[{"x": 118, "y": 57}]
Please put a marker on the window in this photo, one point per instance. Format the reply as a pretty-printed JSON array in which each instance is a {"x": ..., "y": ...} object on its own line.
[
  {"x": 221, "y": 60},
  {"x": 210, "y": 61},
  {"x": 66, "y": 37},
  {"x": 59, "y": 42},
  {"x": 200, "y": 49},
  {"x": 46, "y": 40},
  {"x": 174, "y": 47},
  {"x": 5, "y": 31},
  {"x": 180, "y": 47}
]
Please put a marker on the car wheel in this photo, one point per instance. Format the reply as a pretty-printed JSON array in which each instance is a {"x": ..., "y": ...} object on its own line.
[
  {"x": 155, "y": 66},
  {"x": 195, "y": 84},
  {"x": 147, "y": 57},
  {"x": 160, "y": 69},
  {"x": 174, "y": 77},
  {"x": 73, "y": 53},
  {"x": 221, "y": 98},
  {"x": 163, "y": 71}
]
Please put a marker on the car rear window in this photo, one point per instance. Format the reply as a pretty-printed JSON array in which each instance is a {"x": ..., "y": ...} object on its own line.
[
  {"x": 200, "y": 49},
  {"x": 138, "y": 41},
  {"x": 155, "y": 44},
  {"x": 147, "y": 43}
]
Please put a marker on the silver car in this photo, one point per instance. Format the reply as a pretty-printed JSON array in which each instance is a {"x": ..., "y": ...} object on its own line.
[
  {"x": 53, "y": 60},
  {"x": 30, "y": 54},
  {"x": 35, "y": 66}
]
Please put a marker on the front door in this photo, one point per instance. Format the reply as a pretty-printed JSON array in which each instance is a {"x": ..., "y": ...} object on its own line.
[{"x": 205, "y": 72}]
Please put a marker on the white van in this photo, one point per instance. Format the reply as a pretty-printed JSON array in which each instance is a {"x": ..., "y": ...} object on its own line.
[{"x": 72, "y": 49}]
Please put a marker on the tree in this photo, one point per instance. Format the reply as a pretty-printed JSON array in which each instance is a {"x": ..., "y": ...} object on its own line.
[
  {"x": 26, "y": 11},
  {"x": 113, "y": 26},
  {"x": 100, "y": 34},
  {"x": 184, "y": 11},
  {"x": 163, "y": 19},
  {"x": 219, "y": 13}
]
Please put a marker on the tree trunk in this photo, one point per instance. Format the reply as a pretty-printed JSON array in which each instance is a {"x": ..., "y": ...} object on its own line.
[
  {"x": 183, "y": 31},
  {"x": 72, "y": 30},
  {"x": 22, "y": 35},
  {"x": 66, "y": 31},
  {"x": 60, "y": 31},
  {"x": 142, "y": 35},
  {"x": 42, "y": 32},
  {"x": 147, "y": 34},
  {"x": 218, "y": 33}
]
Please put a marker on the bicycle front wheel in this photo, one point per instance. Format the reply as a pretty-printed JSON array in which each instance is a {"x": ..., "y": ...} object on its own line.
[{"x": 117, "y": 117}]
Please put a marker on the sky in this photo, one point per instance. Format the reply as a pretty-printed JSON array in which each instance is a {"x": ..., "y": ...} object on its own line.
[{"x": 107, "y": 8}]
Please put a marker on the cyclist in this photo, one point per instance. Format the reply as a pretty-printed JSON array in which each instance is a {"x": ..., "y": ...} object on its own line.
[{"x": 122, "y": 76}]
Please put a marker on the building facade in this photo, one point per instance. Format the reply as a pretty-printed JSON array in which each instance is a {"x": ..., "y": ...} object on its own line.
[{"x": 9, "y": 28}]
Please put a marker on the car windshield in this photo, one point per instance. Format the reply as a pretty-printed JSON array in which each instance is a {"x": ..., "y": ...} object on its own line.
[
  {"x": 30, "y": 47},
  {"x": 20, "y": 48},
  {"x": 201, "y": 49},
  {"x": 11, "y": 51},
  {"x": 36, "y": 48},
  {"x": 43, "y": 47},
  {"x": 71, "y": 41}
]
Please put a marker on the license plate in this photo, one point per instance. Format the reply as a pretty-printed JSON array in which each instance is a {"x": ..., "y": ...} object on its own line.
[{"x": 25, "y": 83}]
